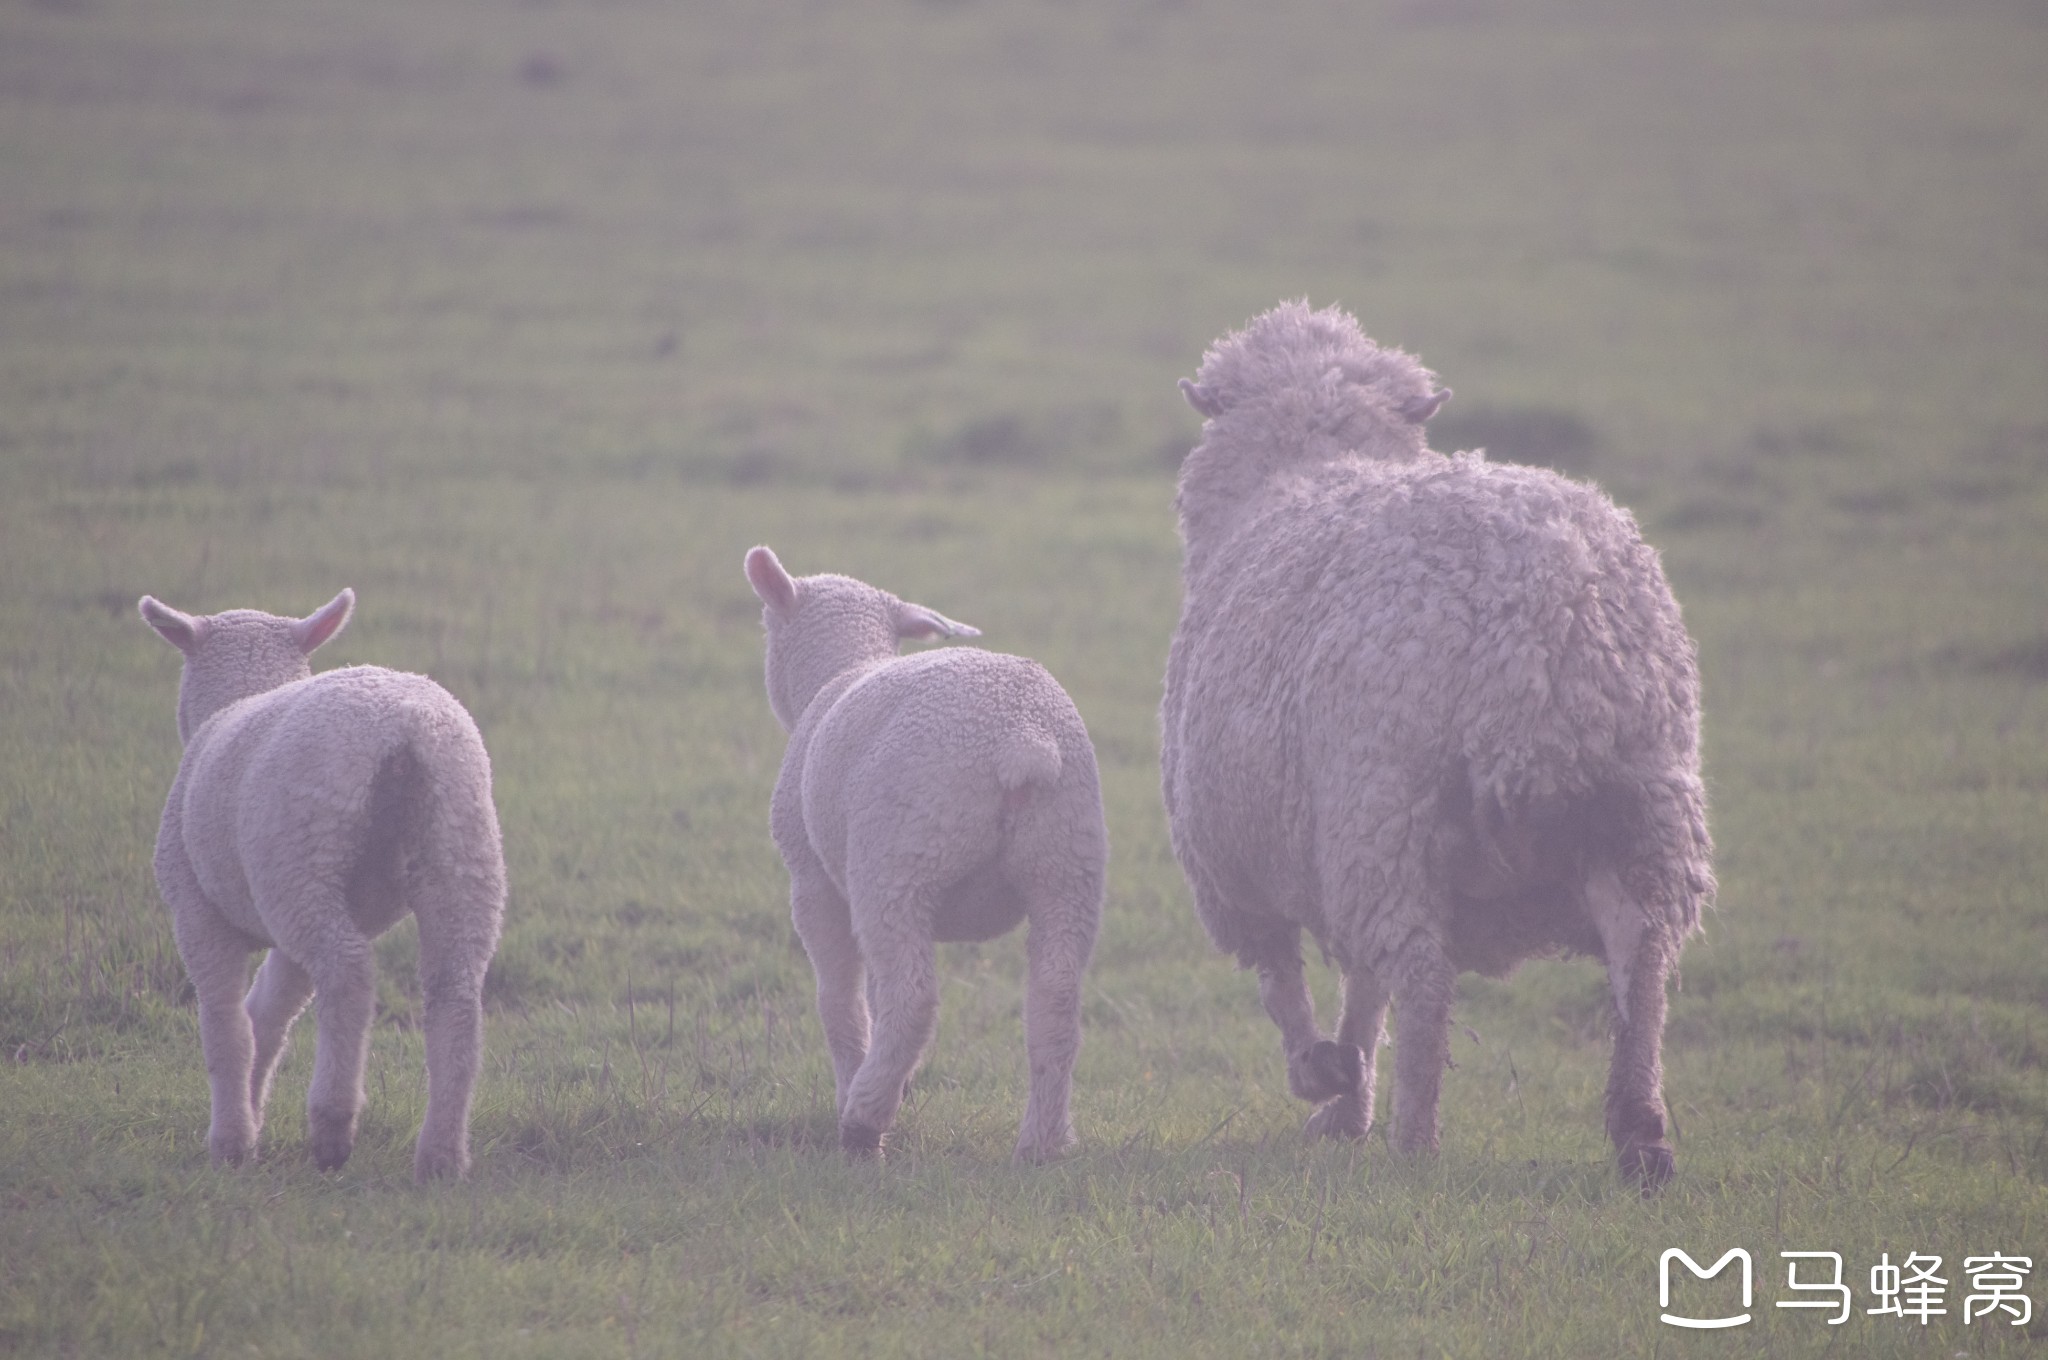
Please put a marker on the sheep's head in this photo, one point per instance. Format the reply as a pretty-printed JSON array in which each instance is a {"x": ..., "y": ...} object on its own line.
[
  {"x": 239, "y": 653},
  {"x": 1303, "y": 384},
  {"x": 819, "y": 626}
]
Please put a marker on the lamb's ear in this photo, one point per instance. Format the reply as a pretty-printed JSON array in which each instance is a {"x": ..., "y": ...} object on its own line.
[
  {"x": 179, "y": 629},
  {"x": 915, "y": 621},
  {"x": 1204, "y": 401},
  {"x": 324, "y": 622},
  {"x": 769, "y": 580},
  {"x": 1418, "y": 409}
]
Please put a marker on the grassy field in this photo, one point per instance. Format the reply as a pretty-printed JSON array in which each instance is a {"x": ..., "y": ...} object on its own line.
[{"x": 526, "y": 319}]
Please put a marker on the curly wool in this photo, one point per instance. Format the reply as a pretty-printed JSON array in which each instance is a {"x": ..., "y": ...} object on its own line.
[
  {"x": 309, "y": 814},
  {"x": 946, "y": 795},
  {"x": 1441, "y": 713}
]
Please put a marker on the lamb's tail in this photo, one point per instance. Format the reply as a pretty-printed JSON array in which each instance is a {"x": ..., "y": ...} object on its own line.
[{"x": 1028, "y": 757}]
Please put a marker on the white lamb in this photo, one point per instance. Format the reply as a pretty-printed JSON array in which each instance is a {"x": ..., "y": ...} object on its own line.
[
  {"x": 1440, "y": 713},
  {"x": 945, "y": 795},
  {"x": 309, "y": 814}
]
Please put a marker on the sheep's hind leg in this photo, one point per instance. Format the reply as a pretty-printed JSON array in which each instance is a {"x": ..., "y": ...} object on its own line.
[
  {"x": 1349, "y": 1115},
  {"x": 1317, "y": 1069},
  {"x": 280, "y": 993},
  {"x": 452, "y": 967},
  {"x": 904, "y": 987},
  {"x": 1423, "y": 993},
  {"x": 1638, "y": 960},
  {"x": 345, "y": 999},
  {"x": 1061, "y": 939},
  {"x": 217, "y": 960},
  {"x": 825, "y": 928}
]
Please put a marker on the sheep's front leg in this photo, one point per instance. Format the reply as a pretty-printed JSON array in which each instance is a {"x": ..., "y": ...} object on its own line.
[
  {"x": 280, "y": 993},
  {"x": 217, "y": 960},
  {"x": 1317, "y": 1069},
  {"x": 825, "y": 928},
  {"x": 1638, "y": 961},
  {"x": 896, "y": 946},
  {"x": 1349, "y": 1115},
  {"x": 345, "y": 983},
  {"x": 1422, "y": 1043}
]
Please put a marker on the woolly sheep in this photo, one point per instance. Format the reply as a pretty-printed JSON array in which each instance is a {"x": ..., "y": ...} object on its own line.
[
  {"x": 308, "y": 815},
  {"x": 945, "y": 795},
  {"x": 1440, "y": 713}
]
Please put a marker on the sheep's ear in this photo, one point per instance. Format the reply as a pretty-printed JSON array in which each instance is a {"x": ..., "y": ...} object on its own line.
[
  {"x": 769, "y": 580},
  {"x": 1418, "y": 409},
  {"x": 180, "y": 630},
  {"x": 915, "y": 621},
  {"x": 324, "y": 622},
  {"x": 1201, "y": 398}
]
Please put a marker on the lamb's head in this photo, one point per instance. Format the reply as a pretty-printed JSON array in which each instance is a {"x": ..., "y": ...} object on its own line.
[
  {"x": 233, "y": 655},
  {"x": 819, "y": 626},
  {"x": 1297, "y": 386}
]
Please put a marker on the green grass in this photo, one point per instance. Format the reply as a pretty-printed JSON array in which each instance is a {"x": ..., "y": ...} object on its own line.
[{"x": 526, "y": 320}]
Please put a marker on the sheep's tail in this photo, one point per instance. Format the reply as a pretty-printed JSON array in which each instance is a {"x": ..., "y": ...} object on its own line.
[
  {"x": 1522, "y": 836},
  {"x": 1028, "y": 757}
]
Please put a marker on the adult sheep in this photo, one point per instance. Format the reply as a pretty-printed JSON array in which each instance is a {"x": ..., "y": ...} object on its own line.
[
  {"x": 946, "y": 795},
  {"x": 1440, "y": 713},
  {"x": 309, "y": 814}
]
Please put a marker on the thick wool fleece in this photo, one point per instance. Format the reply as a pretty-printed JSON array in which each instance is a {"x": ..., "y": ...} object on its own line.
[
  {"x": 308, "y": 815},
  {"x": 1438, "y": 712},
  {"x": 946, "y": 795}
]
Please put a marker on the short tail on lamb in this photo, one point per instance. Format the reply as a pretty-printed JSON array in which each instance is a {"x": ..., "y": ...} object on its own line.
[{"x": 1029, "y": 757}]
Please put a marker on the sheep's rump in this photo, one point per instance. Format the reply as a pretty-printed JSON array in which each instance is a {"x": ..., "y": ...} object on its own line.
[
  {"x": 343, "y": 780},
  {"x": 929, "y": 769},
  {"x": 1477, "y": 669}
]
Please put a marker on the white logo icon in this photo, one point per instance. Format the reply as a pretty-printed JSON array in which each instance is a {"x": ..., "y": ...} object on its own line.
[{"x": 1664, "y": 1287}]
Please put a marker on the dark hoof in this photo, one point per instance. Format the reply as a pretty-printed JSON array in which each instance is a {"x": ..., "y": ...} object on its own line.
[
  {"x": 1344, "y": 1119},
  {"x": 231, "y": 1152},
  {"x": 332, "y": 1137},
  {"x": 1648, "y": 1164},
  {"x": 1328, "y": 1070},
  {"x": 860, "y": 1143},
  {"x": 440, "y": 1164}
]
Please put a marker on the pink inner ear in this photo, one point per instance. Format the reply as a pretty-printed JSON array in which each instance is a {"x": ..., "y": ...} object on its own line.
[
  {"x": 325, "y": 623},
  {"x": 180, "y": 630},
  {"x": 769, "y": 580}
]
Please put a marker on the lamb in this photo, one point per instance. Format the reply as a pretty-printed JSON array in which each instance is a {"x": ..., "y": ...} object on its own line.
[
  {"x": 308, "y": 815},
  {"x": 944, "y": 795},
  {"x": 1440, "y": 713}
]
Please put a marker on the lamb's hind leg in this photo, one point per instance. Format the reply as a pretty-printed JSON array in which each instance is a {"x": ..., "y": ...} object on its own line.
[
  {"x": 896, "y": 946},
  {"x": 280, "y": 993},
  {"x": 1063, "y": 925},
  {"x": 345, "y": 997},
  {"x": 1638, "y": 961},
  {"x": 825, "y": 928},
  {"x": 455, "y": 954},
  {"x": 1349, "y": 1115},
  {"x": 217, "y": 960},
  {"x": 1317, "y": 1069}
]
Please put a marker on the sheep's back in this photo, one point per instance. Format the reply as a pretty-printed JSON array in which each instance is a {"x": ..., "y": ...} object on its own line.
[{"x": 1374, "y": 629}]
